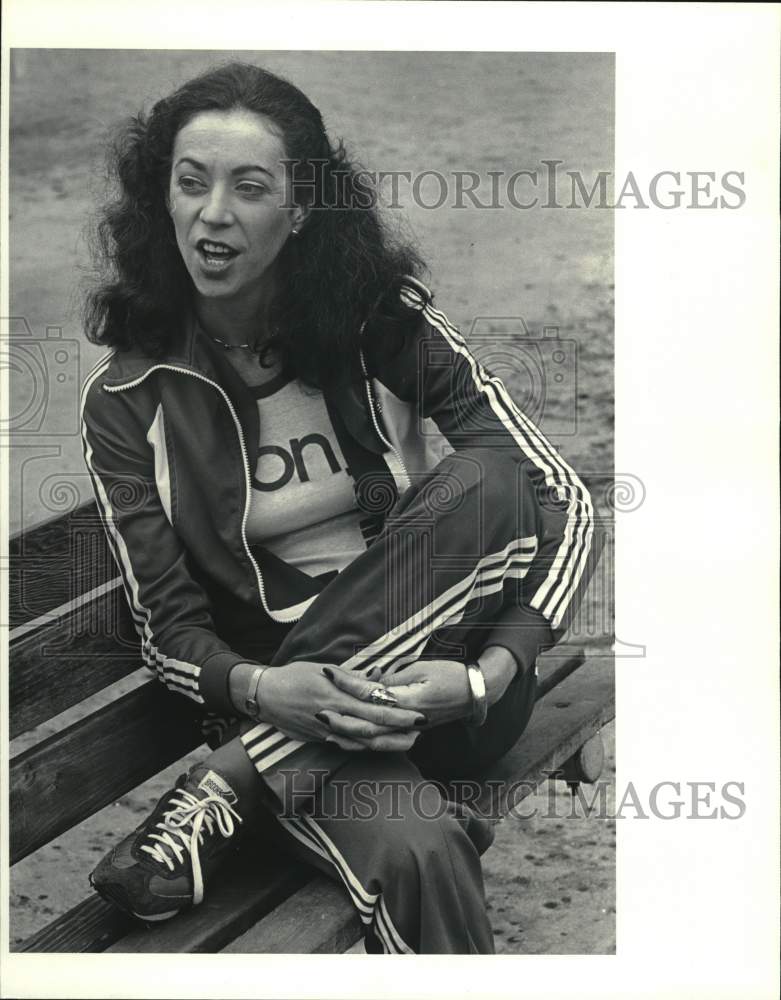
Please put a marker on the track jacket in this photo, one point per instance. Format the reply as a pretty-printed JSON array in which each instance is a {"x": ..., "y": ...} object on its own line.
[{"x": 170, "y": 446}]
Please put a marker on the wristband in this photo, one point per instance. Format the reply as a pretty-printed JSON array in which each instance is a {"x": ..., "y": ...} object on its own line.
[
  {"x": 251, "y": 705},
  {"x": 477, "y": 687}
]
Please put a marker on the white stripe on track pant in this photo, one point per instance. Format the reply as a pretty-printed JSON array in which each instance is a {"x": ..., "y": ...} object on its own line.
[
  {"x": 452, "y": 553},
  {"x": 409, "y": 859}
]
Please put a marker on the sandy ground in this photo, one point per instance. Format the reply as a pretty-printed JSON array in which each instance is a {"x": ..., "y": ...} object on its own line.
[
  {"x": 550, "y": 882},
  {"x": 550, "y": 874}
]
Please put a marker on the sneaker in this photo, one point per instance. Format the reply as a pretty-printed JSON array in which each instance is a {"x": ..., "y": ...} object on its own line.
[{"x": 158, "y": 870}]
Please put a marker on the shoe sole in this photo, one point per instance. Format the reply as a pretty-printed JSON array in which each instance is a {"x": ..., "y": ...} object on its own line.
[
  {"x": 155, "y": 917},
  {"x": 118, "y": 901}
]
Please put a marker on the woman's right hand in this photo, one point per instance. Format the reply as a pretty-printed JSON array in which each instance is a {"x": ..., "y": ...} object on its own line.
[{"x": 305, "y": 705}]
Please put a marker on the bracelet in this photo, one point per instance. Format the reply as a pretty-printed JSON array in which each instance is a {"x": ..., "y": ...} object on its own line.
[
  {"x": 251, "y": 705},
  {"x": 477, "y": 687}
]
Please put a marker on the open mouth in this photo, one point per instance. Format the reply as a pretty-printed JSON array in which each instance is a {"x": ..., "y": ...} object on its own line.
[{"x": 215, "y": 254}]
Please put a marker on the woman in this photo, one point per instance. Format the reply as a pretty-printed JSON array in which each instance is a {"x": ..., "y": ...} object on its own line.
[{"x": 336, "y": 532}]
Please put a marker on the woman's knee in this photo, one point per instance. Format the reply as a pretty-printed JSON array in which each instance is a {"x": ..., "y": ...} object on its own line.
[{"x": 496, "y": 472}]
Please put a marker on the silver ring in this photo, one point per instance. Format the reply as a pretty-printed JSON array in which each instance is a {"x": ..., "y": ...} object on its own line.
[{"x": 382, "y": 697}]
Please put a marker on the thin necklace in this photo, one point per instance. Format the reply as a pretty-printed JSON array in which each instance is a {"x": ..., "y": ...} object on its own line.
[{"x": 231, "y": 347}]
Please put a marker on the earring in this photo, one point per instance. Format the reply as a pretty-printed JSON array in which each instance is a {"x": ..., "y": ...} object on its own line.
[{"x": 294, "y": 231}]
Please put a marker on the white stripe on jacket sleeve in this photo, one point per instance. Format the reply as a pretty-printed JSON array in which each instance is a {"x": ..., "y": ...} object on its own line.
[
  {"x": 176, "y": 674},
  {"x": 555, "y": 592}
]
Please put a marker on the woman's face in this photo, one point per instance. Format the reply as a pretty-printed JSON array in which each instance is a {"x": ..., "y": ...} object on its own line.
[{"x": 225, "y": 196}]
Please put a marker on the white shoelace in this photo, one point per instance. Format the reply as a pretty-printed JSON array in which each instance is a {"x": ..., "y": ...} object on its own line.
[{"x": 174, "y": 839}]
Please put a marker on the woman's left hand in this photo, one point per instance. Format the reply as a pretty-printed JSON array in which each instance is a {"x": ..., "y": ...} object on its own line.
[
  {"x": 440, "y": 689},
  {"x": 437, "y": 688}
]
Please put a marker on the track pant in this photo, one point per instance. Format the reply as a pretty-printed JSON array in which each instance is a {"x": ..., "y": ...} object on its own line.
[{"x": 429, "y": 586}]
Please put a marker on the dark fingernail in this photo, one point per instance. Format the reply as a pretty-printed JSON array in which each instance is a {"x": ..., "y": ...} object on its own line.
[
  {"x": 328, "y": 673},
  {"x": 421, "y": 721},
  {"x": 322, "y": 717}
]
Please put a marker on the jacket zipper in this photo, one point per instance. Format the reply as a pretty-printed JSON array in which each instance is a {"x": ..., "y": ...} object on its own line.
[
  {"x": 375, "y": 421},
  {"x": 245, "y": 457}
]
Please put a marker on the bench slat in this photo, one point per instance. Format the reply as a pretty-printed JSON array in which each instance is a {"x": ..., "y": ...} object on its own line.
[
  {"x": 62, "y": 780},
  {"x": 56, "y": 568},
  {"x": 56, "y": 561},
  {"x": 90, "y": 926},
  {"x": 245, "y": 893},
  {"x": 318, "y": 919},
  {"x": 555, "y": 666},
  {"x": 242, "y": 896},
  {"x": 41, "y": 686},
  {"x": 62, "y": 663}
]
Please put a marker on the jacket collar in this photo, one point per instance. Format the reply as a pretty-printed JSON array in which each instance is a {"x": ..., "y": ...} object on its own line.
[{"x": 191, "y": 348}]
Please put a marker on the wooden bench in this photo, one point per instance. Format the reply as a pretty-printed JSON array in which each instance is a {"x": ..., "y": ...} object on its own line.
[{"x": 72, "y": 637}]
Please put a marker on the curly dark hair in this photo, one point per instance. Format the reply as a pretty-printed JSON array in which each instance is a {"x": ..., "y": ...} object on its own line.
[{"x": 330, "y": 277}]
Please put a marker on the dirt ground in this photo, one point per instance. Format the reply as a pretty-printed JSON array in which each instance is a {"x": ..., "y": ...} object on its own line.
[
  {"x": 550, "y": 874},
  {"x": 550, "y": 882}
]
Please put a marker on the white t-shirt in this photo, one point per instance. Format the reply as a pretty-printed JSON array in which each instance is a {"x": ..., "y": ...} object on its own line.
[{"x": 303, "y": 505}]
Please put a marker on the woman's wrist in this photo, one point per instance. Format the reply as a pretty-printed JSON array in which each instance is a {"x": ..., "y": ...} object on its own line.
[
  {"x": 478, "y": 692},
  {"x": 498, "y": 666},
  {"x": 242, "y": 677}
]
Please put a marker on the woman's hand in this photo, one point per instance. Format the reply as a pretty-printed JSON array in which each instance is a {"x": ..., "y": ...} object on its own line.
[
  {"x": 304, "y": 704},
  {"x": 440, "y": 688},
  {"x": 437, "y": 688}
]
